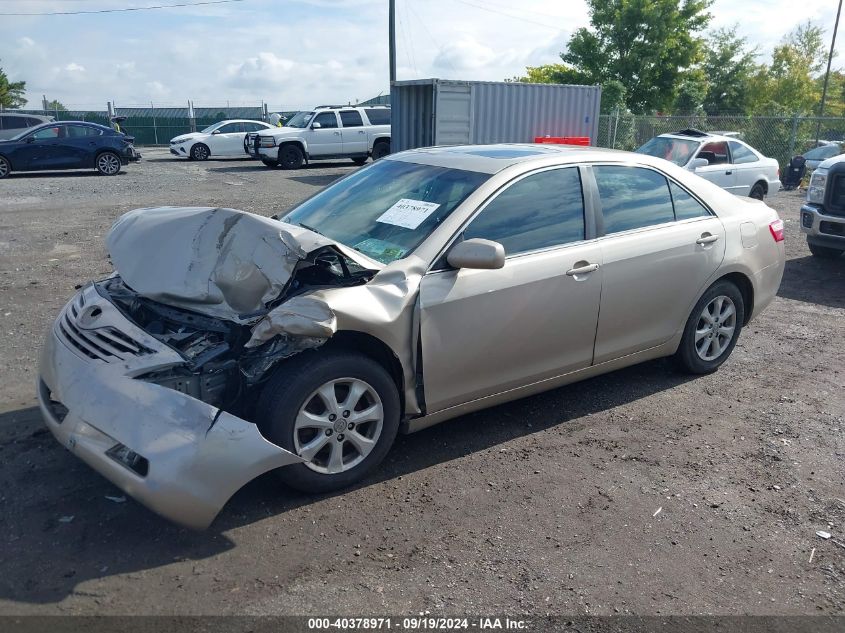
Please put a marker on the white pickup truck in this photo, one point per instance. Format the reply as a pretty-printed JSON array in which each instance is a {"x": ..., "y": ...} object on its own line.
[{"x": 323, "y": 133}]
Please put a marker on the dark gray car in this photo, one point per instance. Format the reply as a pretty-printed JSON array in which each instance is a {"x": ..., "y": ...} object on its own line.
[{"x": 12, "y": 123}]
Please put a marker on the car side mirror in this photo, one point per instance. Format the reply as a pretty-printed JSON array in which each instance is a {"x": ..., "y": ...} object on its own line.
[
  {"x": 30, "y": 139},
  {"x": 215, "y": 132},
  {"x": 698, "y": 162},
  {"x": 315, "y": 126},
  {"x": 477, "y": 253}
]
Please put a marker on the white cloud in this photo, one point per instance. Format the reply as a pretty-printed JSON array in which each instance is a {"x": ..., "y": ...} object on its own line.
[{"x": 312, "y": 51}]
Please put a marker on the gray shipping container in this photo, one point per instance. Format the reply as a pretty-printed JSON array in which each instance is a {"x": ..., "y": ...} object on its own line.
[{"x": 427, "y": 112}]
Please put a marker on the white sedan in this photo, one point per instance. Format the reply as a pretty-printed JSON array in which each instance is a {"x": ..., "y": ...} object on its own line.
[
  {"x": 225, "y": 138},
  {"x": 723, "y": 160}
]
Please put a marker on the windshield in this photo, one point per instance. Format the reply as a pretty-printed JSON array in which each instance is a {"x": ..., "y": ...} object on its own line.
[
  {"x": 210, "y": 128},
  {"x": 675, "y": 150},
  {"x": 386, "y": 210},
  {"x": 300, "y": 119}
]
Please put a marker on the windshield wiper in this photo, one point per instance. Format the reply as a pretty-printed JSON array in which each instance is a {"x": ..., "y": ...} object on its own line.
[{"x": 310, "y": 228}]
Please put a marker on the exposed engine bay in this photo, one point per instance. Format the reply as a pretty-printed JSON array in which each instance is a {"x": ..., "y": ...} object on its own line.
[{"x": 224, "y": 360}]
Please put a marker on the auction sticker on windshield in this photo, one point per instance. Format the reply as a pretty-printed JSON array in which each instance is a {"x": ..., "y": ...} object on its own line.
[{"x": 408, "y": 213}]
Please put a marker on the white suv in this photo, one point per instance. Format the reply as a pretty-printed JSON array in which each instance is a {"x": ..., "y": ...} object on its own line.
[{"x": 325, "y": 132}]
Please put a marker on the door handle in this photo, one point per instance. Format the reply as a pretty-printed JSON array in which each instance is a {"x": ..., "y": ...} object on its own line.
[
  {"x": 337, "y": 133},
  {"x": 706, "y": 238},
  {"x": 361, "y": 132},
  {"x": 582, "y": 270},
  {"x": 728, "y": 173}
]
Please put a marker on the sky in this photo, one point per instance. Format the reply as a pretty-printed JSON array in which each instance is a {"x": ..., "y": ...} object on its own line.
[{"x": 294, "y": 54}]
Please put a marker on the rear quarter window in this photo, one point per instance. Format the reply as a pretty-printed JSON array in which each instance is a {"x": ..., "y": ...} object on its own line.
[{"x": 378, "y": 116}]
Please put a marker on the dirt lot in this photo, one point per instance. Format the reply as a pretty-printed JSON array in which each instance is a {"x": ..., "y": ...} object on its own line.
[{"x": 642, "y": 491}]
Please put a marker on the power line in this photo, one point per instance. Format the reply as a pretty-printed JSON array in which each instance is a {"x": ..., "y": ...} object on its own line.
[
  {"x": 160, "y": 6},
  {"x": 509, "y": 15},
  {"x": 431, "y": 36}
]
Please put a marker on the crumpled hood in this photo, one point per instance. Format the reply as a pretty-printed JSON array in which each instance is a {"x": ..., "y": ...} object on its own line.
[{"x": 220, "y": 262}]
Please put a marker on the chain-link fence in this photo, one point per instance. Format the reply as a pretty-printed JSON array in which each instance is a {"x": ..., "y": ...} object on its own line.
[
  {"x": 777, "y": 137},
  {"x": 156, "y": 125}
]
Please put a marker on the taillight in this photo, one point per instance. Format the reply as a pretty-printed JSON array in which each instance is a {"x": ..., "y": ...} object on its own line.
[{"x": 776, "y": 229}]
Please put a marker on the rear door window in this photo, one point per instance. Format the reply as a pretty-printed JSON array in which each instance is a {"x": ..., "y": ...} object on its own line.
[
  {"x": 351, "y": 118},
  {"x": 632, "y": 197},
  {"x": 80, "y": 131}
]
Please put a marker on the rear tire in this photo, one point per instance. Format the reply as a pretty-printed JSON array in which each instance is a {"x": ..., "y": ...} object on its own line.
[
  {"x": 359, "y": 160},
  {"x": 291, "y": 156},
  {"x": 381, "y": 149},
  {"x": 712, "y": 329},
  {"x": 824, "y": 252},
  {"x": 758, "y": 192},
  {"x": 346, "y": 436},
  {"x": 200, "y": 151},
  {"x": 108, "y": 164},
  {"x": 5, "y": 167}
]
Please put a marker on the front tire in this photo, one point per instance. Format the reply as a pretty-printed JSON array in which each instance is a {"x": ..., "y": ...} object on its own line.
[
  {"x": 5, "y": 167},
  {"x": 291, "y": 156},
  {"x": 823, "y": 252},
  {"x": 200, "y": 151},
  {"x": 108, "y": 164},
  {"x": 758, "y": 191},
  {"x": 269, "y": 163},
  {"x": 712, "y": 329},
  {"x": 338, "y": 409}
]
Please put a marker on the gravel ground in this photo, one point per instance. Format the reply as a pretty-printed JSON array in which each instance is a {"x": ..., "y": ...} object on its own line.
[{"x": 642, "y": 491}]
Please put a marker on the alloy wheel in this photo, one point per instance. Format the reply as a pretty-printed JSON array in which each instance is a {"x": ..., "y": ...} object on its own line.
[
  {"x": 716, "y": 328},
  {"x": 108, "y": 164},
  {"x": 338, "y": 425},
  {"x": 4, "y": 168}
]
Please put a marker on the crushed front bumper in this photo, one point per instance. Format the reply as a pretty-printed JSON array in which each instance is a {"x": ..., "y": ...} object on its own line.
[{"x": 197, "y": 456}]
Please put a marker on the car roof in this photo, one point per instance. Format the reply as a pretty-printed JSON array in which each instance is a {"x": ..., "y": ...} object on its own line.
[
  {"x": 699, "y": 136},
  {"x": 23, "y": 114},
  {"x": 491, "y": 159}
]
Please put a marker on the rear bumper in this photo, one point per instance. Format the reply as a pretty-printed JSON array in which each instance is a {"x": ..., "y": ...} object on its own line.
[
  {"x": 822, "y": 229},
  {"x": 198, "y": 456}
]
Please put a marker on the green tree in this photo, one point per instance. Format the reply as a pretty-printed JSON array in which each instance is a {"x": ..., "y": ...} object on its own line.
[
  {"x": 11, "y": 92},
  {"x": 692, "y": 92},
  {"x": 790, "y": 83},
  {"x": 646, "y": 45},
  {"x": 56, "y": 105},
  {"x": 728, "y": 66}
]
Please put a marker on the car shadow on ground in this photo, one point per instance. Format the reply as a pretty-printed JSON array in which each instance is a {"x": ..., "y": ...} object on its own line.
[
  {"x": 62, "y": 510},
  {"x": 88, "y": 173},
  {"x": 815, "y": 280}
]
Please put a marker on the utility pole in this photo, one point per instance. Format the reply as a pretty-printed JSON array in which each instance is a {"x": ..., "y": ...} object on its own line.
[
  {"x": 392, "y": 38},
  {"x": 827, "y": 74}
]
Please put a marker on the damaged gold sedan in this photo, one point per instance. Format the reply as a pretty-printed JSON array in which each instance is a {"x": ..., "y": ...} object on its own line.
[{"x": 432, "y": 283}]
